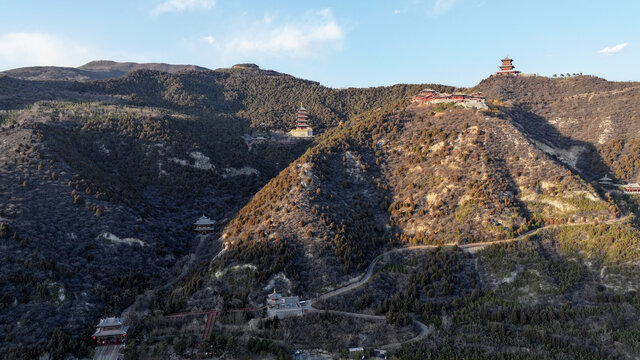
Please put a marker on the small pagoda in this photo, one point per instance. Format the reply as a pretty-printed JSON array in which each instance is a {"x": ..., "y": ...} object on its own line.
[
  {"x": 110, "y": 330},
  {"x": 507, "y": 67},
  {"x": 204, "y": 225},
  {"x": 302, "y": 130}
]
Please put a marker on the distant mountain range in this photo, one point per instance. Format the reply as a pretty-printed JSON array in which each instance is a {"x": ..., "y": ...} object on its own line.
[{"x": 94, "y": 70}]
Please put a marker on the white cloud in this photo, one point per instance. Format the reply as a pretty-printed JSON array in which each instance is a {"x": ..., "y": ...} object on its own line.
[
  {"x": 181, "y": 5},
  {"x": 610, "y": 50},
  {"x": 38, "y": 49},
  {"x": 442, "y": 6},
  {"x": 209, "y": 39},
  {"x": 308, "y": 35},
  {"x": 31, "y": 49}
]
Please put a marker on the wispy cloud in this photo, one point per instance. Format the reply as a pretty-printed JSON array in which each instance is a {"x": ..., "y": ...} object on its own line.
[
  {"x": 442, "y": 6},
  {"x": 310, "y": 34},
  {"x": 610, "y": 50},
  {"x": 209, "y": 39},
  {"x": 181, "y": 5},
  {"x": 22, "y": 49}
]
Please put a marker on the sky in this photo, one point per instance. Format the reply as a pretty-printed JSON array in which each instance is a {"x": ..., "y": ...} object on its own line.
[{"x": 342, "y": 43}]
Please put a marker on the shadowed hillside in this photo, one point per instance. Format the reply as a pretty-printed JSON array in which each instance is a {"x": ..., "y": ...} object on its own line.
[{"x": 586, "y": 122}]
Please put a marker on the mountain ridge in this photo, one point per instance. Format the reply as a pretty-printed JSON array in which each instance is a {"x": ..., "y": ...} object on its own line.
[{"x": 93, "y": 70}]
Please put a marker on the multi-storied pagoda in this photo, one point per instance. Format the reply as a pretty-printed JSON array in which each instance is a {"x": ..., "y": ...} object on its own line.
[
  {"x": 204, "y": 225},
  {"x": 110, "y": 330},
  {"x": 302, "y": 130},
  {"x": 507, "y": 67}
]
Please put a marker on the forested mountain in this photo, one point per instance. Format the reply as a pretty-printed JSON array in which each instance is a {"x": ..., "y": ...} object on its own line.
[
  {"x": 474, "y": 232},
  {"x": 94, "y": 70},
  {"x": 404, "y": 175},
  {"x": 557, "y": 251},
  {"x": 103, "y": 180}
]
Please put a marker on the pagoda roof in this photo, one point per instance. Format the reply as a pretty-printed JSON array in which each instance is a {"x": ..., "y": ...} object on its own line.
[
  {"x": 204, "y": 221},
  {"x": 301, "y": 109},
  {"x": 107, "y": 333},
  {"x": 507, "y": 59},
  {"x": 110, "y": 321}
]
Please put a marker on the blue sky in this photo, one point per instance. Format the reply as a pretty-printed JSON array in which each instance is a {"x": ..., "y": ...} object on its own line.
[{"x": 338, "y": 43}]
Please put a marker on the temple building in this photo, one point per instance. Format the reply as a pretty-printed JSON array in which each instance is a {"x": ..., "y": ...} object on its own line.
[
  {"x": 302, "y": 130},
  {"x": 632, "y": 188},
  {"x": 430, "y": 96},
  {"x": 605, "y": 180},
  {"x": 110, "y": 330},
  {"x": 507, "y": 67},
  {"x": 204, "y": 225},
  {"x": 281, "y": 306}
]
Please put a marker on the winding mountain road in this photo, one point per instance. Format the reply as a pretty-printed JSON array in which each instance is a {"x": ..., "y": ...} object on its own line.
[{"x": 472, "y": 247}]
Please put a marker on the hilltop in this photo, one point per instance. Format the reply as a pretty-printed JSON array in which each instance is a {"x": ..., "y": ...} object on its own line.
[
  {"x": 94, "y": 70},
  {"x": 404, "y": 176}
]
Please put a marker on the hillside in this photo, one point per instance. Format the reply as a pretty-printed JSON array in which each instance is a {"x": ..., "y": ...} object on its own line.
[
  {"x": 263, "y": 97},
  {"x": 100, "y": 187},
  {"x": 94, "y": 70},
  {"x": 400, "y": 176},
  {"x": 102, "y": 181},
  {"x": 586, "y": 122},
  {"x": 555, "y": 266}
]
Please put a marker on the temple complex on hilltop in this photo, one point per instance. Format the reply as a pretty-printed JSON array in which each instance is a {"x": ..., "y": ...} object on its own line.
[
  {"x": 110, "y": 330},
  {"x": 430, "y": 96},
  {"x": 204, "y": 225},
  {"x": 302, "y": 130},
  {"x": 507, "y": 67}
]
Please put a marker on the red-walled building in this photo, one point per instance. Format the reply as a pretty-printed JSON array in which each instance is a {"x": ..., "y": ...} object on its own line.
[
  {"x": 110, "y": 331},
  {"x": 431, "y": 96}
]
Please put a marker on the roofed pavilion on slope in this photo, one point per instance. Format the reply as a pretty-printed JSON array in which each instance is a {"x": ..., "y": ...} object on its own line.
[
  {"x": 204, "y": 225},
  {"x": 110, "y": 330}
]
